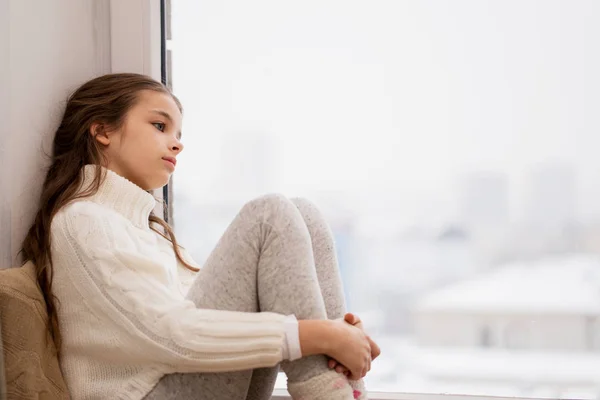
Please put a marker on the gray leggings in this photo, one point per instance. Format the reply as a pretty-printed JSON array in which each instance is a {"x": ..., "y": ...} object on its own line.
[{"x": 277, "y": 255}]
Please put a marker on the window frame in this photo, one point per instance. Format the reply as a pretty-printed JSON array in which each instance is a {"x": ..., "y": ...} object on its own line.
[
  {"x": 166, "y": 78},
  {"x": 282, "y": 394},
  {"x": 139, "y": 30}
]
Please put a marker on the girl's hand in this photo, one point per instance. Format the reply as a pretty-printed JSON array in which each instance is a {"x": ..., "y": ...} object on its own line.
[
  {"x": 349, "y": 345},
  {"x": 375, "y": 350},
  {"x": 353, "y": 319}
]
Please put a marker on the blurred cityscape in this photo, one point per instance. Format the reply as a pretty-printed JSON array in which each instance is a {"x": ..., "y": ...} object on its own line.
[
  {"x": 486, "y": 303},
  {"x": 453, "y": 148}
]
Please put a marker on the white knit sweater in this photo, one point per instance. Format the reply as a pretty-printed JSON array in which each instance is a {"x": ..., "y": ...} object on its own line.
[{"x": 123, "y": 315}]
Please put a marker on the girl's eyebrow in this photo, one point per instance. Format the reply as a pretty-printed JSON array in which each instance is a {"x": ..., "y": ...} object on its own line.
[{"x": 167, "y": 116}]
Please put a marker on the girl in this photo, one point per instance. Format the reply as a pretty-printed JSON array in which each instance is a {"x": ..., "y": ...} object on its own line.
[{"x": 114, "y": 276}]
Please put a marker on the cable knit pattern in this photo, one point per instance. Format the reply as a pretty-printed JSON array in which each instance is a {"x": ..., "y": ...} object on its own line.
[{"x": 123, "y": 314}]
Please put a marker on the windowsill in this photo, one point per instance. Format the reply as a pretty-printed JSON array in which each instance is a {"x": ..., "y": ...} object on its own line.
[{"x": 282, "y": 394}]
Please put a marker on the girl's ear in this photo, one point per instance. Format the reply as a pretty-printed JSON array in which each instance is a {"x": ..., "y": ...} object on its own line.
[{"x": 99, "y": 133}]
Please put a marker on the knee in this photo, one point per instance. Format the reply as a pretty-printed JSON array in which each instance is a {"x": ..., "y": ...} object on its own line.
[
  {"x": 271, "y": 200},
  {"x": 309, "y": 211},
  {"x": 271, "y": 205},
  {"x": 306, "y": 207},
  {"x": 276, "y": 212},
  {"x": 314, "y": 219}
]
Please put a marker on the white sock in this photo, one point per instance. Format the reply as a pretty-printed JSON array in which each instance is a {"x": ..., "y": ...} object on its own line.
[
  {"x": 327, "y": 386},
  {"x": 358, "y": 388}
]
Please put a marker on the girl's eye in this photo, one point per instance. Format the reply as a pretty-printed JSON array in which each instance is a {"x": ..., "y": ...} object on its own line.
[{"x": 159, "y": 125}]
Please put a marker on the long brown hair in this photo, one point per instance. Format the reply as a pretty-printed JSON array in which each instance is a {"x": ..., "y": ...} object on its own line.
[{"x": 105, "y": 100}]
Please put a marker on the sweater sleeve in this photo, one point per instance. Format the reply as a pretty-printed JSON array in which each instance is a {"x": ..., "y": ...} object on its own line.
[{"x": 115, "y": 275}]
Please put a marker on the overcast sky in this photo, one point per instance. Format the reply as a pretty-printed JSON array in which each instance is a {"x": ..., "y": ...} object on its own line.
[{"x": 401, "y": 96}]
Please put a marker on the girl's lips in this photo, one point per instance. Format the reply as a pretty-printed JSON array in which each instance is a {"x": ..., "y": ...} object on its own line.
[
  {"x": 172, "y": 160},
  {"x": 170, "y": 163}
]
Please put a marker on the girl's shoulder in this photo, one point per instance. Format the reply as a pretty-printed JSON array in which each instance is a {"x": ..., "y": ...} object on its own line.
[
  {"x": 83, "y": 211},
  {"x": 83, "y": 207}
]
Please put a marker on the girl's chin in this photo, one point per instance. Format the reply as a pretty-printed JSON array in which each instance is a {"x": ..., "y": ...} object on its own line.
[{"x": 159, "y": 182}]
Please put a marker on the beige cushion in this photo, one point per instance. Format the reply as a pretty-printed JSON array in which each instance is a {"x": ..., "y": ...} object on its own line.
[{"x": 31, "y": 364}]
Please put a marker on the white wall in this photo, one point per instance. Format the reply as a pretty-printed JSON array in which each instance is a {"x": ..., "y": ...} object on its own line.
[
  {"x": 4, "y": 131},
  {"x": 47, "y": 49},
  {"x": 52, "y": 47}
]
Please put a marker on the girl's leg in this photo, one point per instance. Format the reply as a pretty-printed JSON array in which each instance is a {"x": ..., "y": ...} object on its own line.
[
  {"x": 330, "y": 283},
  {"x": 328, "y": 271},
  {"x": 323, "y": 245},
  {"x": 263, "y": 262}
]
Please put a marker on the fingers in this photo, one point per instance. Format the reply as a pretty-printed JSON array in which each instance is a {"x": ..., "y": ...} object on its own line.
[
  {"x": 339, "y": 368},
  {"x": 354, "y": 374},
  {"x": 375, "y": 350},
  {"x": 351, "y": 318},
  {"x": 354, "y": 377},
  {"x": 367, "y": 366}
]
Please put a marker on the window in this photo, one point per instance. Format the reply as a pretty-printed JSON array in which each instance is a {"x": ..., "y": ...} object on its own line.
[{"x": 453, "y": 148}]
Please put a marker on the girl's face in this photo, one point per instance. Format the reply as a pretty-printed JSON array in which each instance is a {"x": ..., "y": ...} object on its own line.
[{"x": 145, "y": 148}]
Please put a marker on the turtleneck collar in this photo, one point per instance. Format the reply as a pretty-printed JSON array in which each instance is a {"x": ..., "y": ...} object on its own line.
[{"x": 120, "y": 194}]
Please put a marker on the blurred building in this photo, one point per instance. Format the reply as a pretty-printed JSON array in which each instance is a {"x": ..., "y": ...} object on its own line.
[
  {"x": 551, "y": 304},
  {"x": 484, "y": 212},
  {"x": 531, "y": 326},
  {"x": 551, "y": 197},
  {"x": 484, "y": 201},
  {"x": 548, "y": 224}
]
